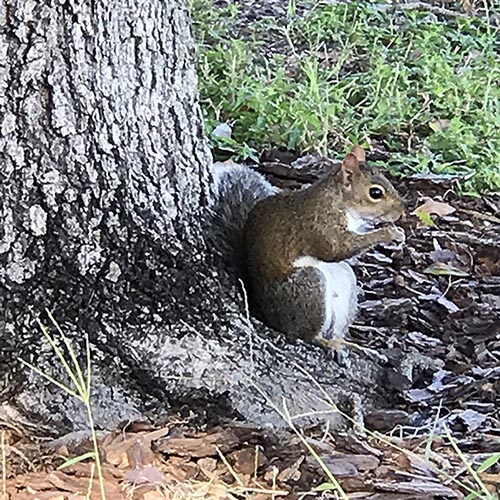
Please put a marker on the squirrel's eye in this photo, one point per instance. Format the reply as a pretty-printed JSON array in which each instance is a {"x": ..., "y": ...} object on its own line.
[{"x": 376, "y": 193}]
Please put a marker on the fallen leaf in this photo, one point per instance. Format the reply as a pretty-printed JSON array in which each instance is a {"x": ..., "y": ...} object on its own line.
[
  {"x": 442, "y": 256},
  {"x": 421, "y": 487},
  {"x": 425, "y": 218},
  {"x": 292, "y": 473},
  {"x": 199, "y": 446},
  {"x": 471, "y": 418},
  {"x": 182, "y": 469},
  {"x": 437, "y": 296},
  {"x": 126, "y": 450},
  {"x": 448, "y": 304},
  {"x": 208, "y": 466},
  {"x": 439, "y": 254},
  {"x": 247, "y": 460},
  {"x": 440, "y": 269},
  {"x": 154, "y": 495},
  {"x": 434, "y": 207},
  {"x": 340, "y": 467},
  {"x": 145, "y": 475},
  {"x": 50, "y": 495},
  {"x": 418, "y": 395}
]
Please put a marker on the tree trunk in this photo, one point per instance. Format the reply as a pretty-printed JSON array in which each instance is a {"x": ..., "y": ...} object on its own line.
[{"x": 105, "y": 191}]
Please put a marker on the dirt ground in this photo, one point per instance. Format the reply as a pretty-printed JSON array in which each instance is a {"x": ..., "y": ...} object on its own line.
[{"x": 430, "y": 313}]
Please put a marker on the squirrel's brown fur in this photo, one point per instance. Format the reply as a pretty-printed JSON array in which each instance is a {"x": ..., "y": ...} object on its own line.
[{"x": 290, "y": 239}]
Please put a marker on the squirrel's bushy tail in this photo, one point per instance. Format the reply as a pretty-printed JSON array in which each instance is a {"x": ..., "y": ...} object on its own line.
[{"x": 238, "y": 189}]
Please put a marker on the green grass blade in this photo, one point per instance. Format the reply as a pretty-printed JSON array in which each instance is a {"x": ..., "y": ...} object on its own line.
[
  {"x": 89, "y": 364},
  {"x": 51, "y": 379},
  {"x": 468, "y": 466},
  {"x": 77, "y": 371},
  {"x": 76, "y": 460},
  {"x": 283, "y": 413},
  {"x": 489, "y": 462},
  {"x": 58, "y": 351}
]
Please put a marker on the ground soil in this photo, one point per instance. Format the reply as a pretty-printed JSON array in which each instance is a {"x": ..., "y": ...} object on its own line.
[{"x": 430, "y": 313}]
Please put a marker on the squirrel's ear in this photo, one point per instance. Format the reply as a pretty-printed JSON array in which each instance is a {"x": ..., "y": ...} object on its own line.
[
  {"x": 359, "y": 153},
  {"x": 350, "y": 169}
]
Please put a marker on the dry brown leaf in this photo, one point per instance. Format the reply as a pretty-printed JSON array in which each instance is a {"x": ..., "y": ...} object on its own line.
[
  {"x": 49, "y": 495},
  {"x": 244, "y": 460},
  {"x": 492, "y": 481},
  {"x": 126, "y": 450},
  {"x": 200, "y": 445},
  {"x": 434, "y": 207},
  {"x": 153, "y": 495},
  {"x": 145, "y": 475},
  {"x": 208, "y": 466},
  {"x": 68, "y": 483},
  {"x": 416, "y": 488},
  {"x": 181, "y": 469},
  {"x": 212, "y": 491},
  {"x": 292, "y": 473},
  {"x": 37, "y": 481}
]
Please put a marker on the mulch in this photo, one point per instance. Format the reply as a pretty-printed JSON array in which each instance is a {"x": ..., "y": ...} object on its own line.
[{"x": 430, "y": 313}]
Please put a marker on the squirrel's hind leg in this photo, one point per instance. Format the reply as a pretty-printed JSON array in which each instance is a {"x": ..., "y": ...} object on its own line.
[
  {"x": 339, "y": 295},
  {"x": 295, "y": 305},
  {"x": 317, "y": 301}
]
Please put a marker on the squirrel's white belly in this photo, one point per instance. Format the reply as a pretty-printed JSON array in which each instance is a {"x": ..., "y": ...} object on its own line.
[{"x": 340, "y": 297}]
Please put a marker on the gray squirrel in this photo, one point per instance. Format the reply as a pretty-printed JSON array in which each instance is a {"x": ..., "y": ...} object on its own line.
[{"x": 291, "y": 247}]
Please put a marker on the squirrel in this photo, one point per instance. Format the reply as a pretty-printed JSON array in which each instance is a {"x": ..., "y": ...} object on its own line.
[{"x": 293, "y": 245}]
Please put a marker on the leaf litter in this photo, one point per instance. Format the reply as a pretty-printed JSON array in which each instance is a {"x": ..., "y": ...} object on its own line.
[{"x": 439, "y": 333}]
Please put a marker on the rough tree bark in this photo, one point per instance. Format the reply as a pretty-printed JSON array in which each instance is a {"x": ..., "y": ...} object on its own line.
[{"x": 105, "y": 191}]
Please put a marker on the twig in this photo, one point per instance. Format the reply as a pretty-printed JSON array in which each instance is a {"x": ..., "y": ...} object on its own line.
[{"x": 479, "y": 215}]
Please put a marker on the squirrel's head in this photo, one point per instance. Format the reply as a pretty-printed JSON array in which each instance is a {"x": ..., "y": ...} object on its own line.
[{"x": 368, "y": 196}]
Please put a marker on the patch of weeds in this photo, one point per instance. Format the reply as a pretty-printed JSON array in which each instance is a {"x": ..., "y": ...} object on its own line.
[
  {"x": 425, "y": 89},
  {"x": 225, "y": 147}
]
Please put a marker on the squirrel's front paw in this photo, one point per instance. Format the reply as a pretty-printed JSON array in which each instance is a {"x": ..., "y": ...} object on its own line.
[{"x": 396, "y": 234}]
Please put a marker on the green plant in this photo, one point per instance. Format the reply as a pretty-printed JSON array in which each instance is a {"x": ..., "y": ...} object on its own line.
[
  {"x": 79, "y": 387},
  {"x": 426, "y": 88},
  {"x": 482, "y": 493},
  {"x": 226, "y": 146}
]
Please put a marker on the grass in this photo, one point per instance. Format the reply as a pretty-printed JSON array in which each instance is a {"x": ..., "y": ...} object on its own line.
[
  {"x": 426, "y": 89},
  {"x": 482, "y": 491},
  {"x": 78, "y": 388}
]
